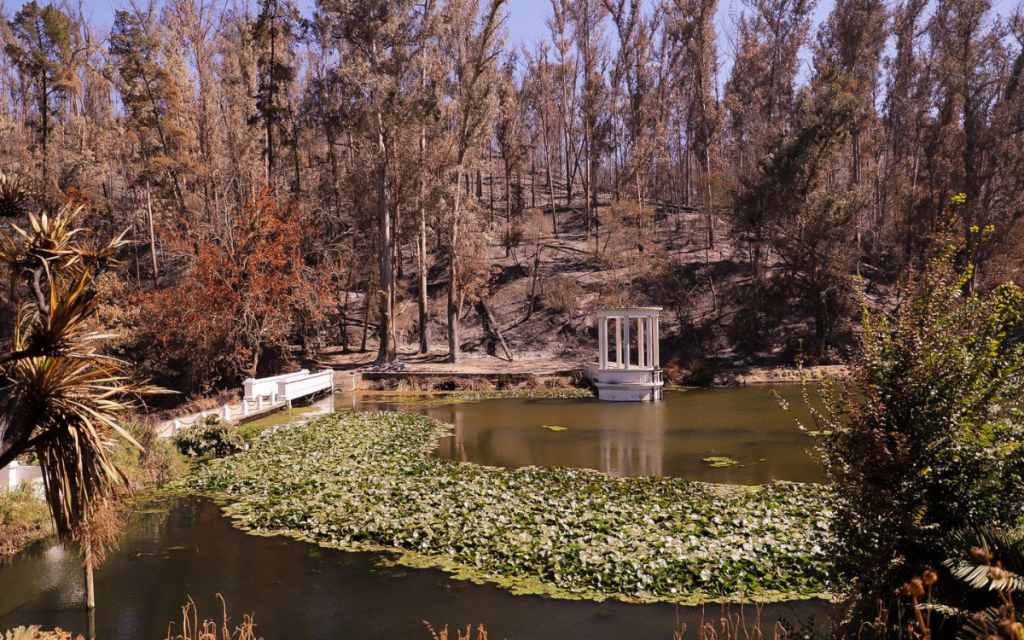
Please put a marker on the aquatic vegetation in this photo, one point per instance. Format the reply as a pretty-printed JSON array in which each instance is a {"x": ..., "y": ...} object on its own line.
[
  {"x": 540, "y": 394},
  {"x": 209, "y": 438},
  {"x": 553, "y": 427},
  {"x": 565, "y": 392},
  {"x": 366, "y": 481},
  {"x": 439, "y": 398},
  {"x": 720, "y": 461}
]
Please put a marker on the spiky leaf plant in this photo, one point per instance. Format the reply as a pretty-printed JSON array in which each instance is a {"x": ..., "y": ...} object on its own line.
[
  {"x": 973, "y": 563},
  {"x": 13, "y": 198},
  {"x": 70, "y": 397},
  {"x": 60, "y": 396},
  {"x": 975, "y": 599}
]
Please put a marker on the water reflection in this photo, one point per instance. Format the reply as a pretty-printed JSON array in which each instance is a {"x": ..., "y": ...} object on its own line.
[{"x": 673, "y": 437}]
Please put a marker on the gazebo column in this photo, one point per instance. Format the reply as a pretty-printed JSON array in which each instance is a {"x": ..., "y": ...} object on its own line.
[
  {"x": 650, "y": 341},
  {"x": 625, "y": 342},
  {"x": 618, "y": 341},
  {"x": 657, "y": 347},
  {"x": 647, "y": 342},
  {"x": 641, "y": 342},
  {"x": 602, "y": 340}
]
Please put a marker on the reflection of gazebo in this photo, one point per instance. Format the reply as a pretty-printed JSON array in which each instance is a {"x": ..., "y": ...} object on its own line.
[{"x": 623, "y": 378}]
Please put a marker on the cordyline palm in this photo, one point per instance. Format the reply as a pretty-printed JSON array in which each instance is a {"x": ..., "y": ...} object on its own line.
[{"x": 58, "y": 395}]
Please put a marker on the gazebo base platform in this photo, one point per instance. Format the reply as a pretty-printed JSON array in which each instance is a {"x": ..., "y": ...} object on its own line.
[
  {"x": 629, "y": 392},
  {"x": 636, "y": 384}
]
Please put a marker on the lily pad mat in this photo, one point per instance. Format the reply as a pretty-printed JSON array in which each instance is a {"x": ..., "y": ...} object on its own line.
[{"x": 366, "y": 481}]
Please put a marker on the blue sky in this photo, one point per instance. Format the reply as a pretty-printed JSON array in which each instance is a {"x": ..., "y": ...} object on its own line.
[{"x": 526, "y": 18}]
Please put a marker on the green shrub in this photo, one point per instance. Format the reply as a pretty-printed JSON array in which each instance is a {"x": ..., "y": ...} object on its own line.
[
  {"x": 23, "y": 518},
  {"x": 210, "y": 437},
  {"x": 926, "y": 435},
  {"x": 157, "y": 464},
  {"x": 700, "y": 374}
]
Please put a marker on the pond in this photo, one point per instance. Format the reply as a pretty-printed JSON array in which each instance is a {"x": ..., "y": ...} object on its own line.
[
  {"x": 675, "y": 437},
  {"x": 185, "y": 547},
  {"x": 302, "y": 592}
]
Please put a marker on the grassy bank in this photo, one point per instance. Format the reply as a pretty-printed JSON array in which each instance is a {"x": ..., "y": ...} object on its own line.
[
  {"x": 23, "y": 519},
  {"x": 434, "y": 398},
  {"x": 364, "y": 481}
]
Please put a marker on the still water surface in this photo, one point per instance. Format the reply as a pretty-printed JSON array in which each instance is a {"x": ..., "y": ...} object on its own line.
[
  {"x": 302, "y": 592},
  {"x": 668, "y": 438}
]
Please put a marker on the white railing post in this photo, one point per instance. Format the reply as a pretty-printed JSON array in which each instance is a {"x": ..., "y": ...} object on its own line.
[
  {"x": 245, "y": 407},
  {"x": 12, "y": 476},
  {"x": 247, "y": 385},
  {"x": 226, "y": 414},
  {"x": 259, "y": 403},
  {"x": 177, "y": 426}
]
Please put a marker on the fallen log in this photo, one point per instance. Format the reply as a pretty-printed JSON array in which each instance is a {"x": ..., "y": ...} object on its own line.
[{"x": 491, "y": 327}]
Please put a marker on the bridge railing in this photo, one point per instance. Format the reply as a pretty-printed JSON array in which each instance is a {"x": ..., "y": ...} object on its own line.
[
  {"x": 256, "y": 387},
  {"x": 290, "y": 389},
  {"x": 262, "y": 394}
]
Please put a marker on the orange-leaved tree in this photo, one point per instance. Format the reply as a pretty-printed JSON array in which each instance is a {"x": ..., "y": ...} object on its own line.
[{"x": 235, "y": 302}]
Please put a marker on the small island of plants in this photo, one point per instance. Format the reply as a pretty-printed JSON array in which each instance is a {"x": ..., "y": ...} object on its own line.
[{"x": 367, "y": 481}]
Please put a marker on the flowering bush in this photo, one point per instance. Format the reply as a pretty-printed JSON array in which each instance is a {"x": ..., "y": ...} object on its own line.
[{"x": 927, "y": 436}]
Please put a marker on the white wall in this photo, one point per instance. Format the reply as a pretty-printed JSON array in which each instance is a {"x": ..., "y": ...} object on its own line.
[{"x": 14, "y": 475}]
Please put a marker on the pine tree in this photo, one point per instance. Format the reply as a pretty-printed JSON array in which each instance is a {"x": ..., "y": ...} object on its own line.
[{"x": 43, "y": 48}]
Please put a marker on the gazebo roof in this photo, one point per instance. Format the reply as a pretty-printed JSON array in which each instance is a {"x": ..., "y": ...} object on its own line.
[{"x": 604, "y": 312}]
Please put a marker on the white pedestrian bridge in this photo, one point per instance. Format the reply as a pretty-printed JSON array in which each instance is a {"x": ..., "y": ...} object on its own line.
[{"x": 262, "y": 395}]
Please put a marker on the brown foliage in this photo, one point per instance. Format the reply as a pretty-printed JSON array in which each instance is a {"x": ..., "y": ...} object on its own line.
[{"x": 238, "y": 301}]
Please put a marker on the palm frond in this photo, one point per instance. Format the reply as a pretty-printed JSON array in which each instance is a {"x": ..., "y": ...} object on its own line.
[
  {"x": 69, "y": 398},
  {"x": 13, "y": 198},
  {"x": 982, "y": 625},
  {"x": 980, "y": 576},
  {"x": 976, "y": 547},
  {"x": 65, "y": 322},
  {"x": 62, "y": 396}
]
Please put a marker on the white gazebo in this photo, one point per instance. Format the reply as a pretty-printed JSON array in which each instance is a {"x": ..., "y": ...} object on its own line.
[{"x": 617, "y": 376}]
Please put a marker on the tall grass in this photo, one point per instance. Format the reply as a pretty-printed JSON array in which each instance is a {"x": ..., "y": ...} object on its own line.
[
  {"x": 193, "y": 629},
  {"x": 445, "y": 634},
  {"x": 732, "y": 626}
]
